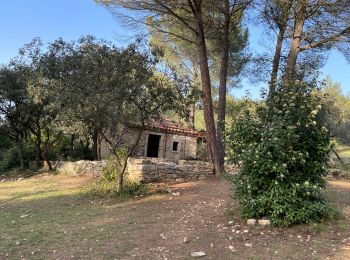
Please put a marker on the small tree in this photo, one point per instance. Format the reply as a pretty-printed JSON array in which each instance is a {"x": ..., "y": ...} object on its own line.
[
  {"x": 283, "y": 150},
  {"x": 139, "y": 101},
  {"x": 14, "y": 108}
]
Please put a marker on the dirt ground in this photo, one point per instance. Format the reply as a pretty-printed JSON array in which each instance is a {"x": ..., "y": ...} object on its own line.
[{"x": 47, "y": 217}]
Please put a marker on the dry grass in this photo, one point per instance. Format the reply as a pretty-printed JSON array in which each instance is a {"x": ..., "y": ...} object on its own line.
[{"x": 48, "y": 217}]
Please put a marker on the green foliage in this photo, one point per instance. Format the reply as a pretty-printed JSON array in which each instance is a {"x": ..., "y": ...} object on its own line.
[
  {"x": 282, "y": 148},
  {"x": 111, "y": 172},
  {"x": 338, "y": 118},
  {"x": 10, "y": 159},
  {"x": 202, "y": 152},
  {"x": 105, "y": 188}
]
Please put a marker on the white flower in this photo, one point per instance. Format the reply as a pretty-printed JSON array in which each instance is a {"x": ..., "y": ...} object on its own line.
[
  {"x": 314, "y": 122},
  {"x": 284, "y": 165},
  {"x": 306, "y": 183}
]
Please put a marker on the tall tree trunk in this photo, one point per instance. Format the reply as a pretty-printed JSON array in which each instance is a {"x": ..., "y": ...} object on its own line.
[
  {"x": 71, "y": 145},
  {"x": 222, "y": 86},
  {"x": 45, "y": 153},
  {"x": 85, "y": 149},
  {"x": 294, "y": 48},
  {"x": 38, "y": 153},
  {"x": 192, "y": 109},
  {"x": 206, "y": 90},
  {"x": 191, "y": 119},
  {"x": 99, "y": 140},
  {"x": 95, "y": 145},
  {"x": 276, "y": 59},
  {"x": 281, "y": 22}
]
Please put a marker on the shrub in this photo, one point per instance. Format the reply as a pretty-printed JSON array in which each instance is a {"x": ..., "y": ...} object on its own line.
[
  {"x": 110, "y": 172},
  {"x": 105, "y": 188},
  {"x": 282, "y": 148}
]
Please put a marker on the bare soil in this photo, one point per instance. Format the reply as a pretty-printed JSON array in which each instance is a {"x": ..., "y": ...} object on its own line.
[{"x": 48, "y": 217}]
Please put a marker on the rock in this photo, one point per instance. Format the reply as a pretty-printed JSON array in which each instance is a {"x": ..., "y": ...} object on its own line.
[
  {"x": 176, "y": 193},
  {"x": 336, "y": 173},
  {"x": 248, "y": 244},
  {"x": 185, "y": 240},
  {"x": 198, "y": 254},
  {"x": 264, "y": 222},
  {"x": 231, "y": 247},
  {"x": 251, "y": 221}
]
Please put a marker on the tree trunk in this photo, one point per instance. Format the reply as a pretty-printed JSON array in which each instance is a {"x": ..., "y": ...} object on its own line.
[
  {"x": 276, "y": 60},
  {"x": 71, "y": 145},
  {"x": 206, "y": 91},
  {"x": 95, "y": 145},
  {"x": 191, "y": 118},
  {"x": 99, "y": 140},
  {"x": 294, "y": 48},
  {"x": 38, "y": 156},
  {"x": 45, "y": 154},
  {"x": 85, "y": 149},
  {"x": 192, "y": 109},
  {"x": 223, "y": 87},
  {"x": 48, "y": 164},
  {"x": 121, "y": 181}
]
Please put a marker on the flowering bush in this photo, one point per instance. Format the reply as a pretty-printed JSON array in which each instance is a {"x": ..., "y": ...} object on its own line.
[{"x": 282, "y": 148}]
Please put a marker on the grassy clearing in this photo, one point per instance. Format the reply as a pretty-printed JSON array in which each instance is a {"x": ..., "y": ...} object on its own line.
[{"x": 52, "y": 217}]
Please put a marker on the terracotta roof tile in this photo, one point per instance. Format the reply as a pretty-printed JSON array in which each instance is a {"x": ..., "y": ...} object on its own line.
[{"x": 167, "y": 125}]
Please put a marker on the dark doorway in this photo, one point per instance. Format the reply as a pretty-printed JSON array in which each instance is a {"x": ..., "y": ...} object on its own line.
[{"x": 153, "y": 145}]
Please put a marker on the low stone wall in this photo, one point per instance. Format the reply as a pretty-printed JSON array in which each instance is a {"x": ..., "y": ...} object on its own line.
[
  {"x": 146, "y": 170},
  {"x": 159, "y": 170},
  {"x": 79, "y": 167}
]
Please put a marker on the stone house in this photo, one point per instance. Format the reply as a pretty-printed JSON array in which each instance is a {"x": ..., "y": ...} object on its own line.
[{"x": 163, "y": 139}]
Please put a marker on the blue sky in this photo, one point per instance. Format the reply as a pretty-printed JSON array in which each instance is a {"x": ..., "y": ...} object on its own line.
[{"x": 21, "y": 20}]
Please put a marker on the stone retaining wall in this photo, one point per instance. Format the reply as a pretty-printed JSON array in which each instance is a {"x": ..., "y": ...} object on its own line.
[
  {"x": 79, "y": 167},
  {"x": 157, "y": 170},
  {"x": 147, "y": 170}
]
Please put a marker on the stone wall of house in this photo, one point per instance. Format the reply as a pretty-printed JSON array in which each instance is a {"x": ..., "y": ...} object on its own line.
[
  {"x": 187, "y": 145},
  {"x": 128, "y": 140}
]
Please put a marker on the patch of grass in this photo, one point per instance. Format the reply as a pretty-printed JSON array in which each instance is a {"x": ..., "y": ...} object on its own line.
[
  {"x": 319, "y": 227},
  {"x": 103, "y": 188}
]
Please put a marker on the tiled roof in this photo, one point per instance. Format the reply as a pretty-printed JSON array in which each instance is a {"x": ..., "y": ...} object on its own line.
[{"x": 168, "y": 126}]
